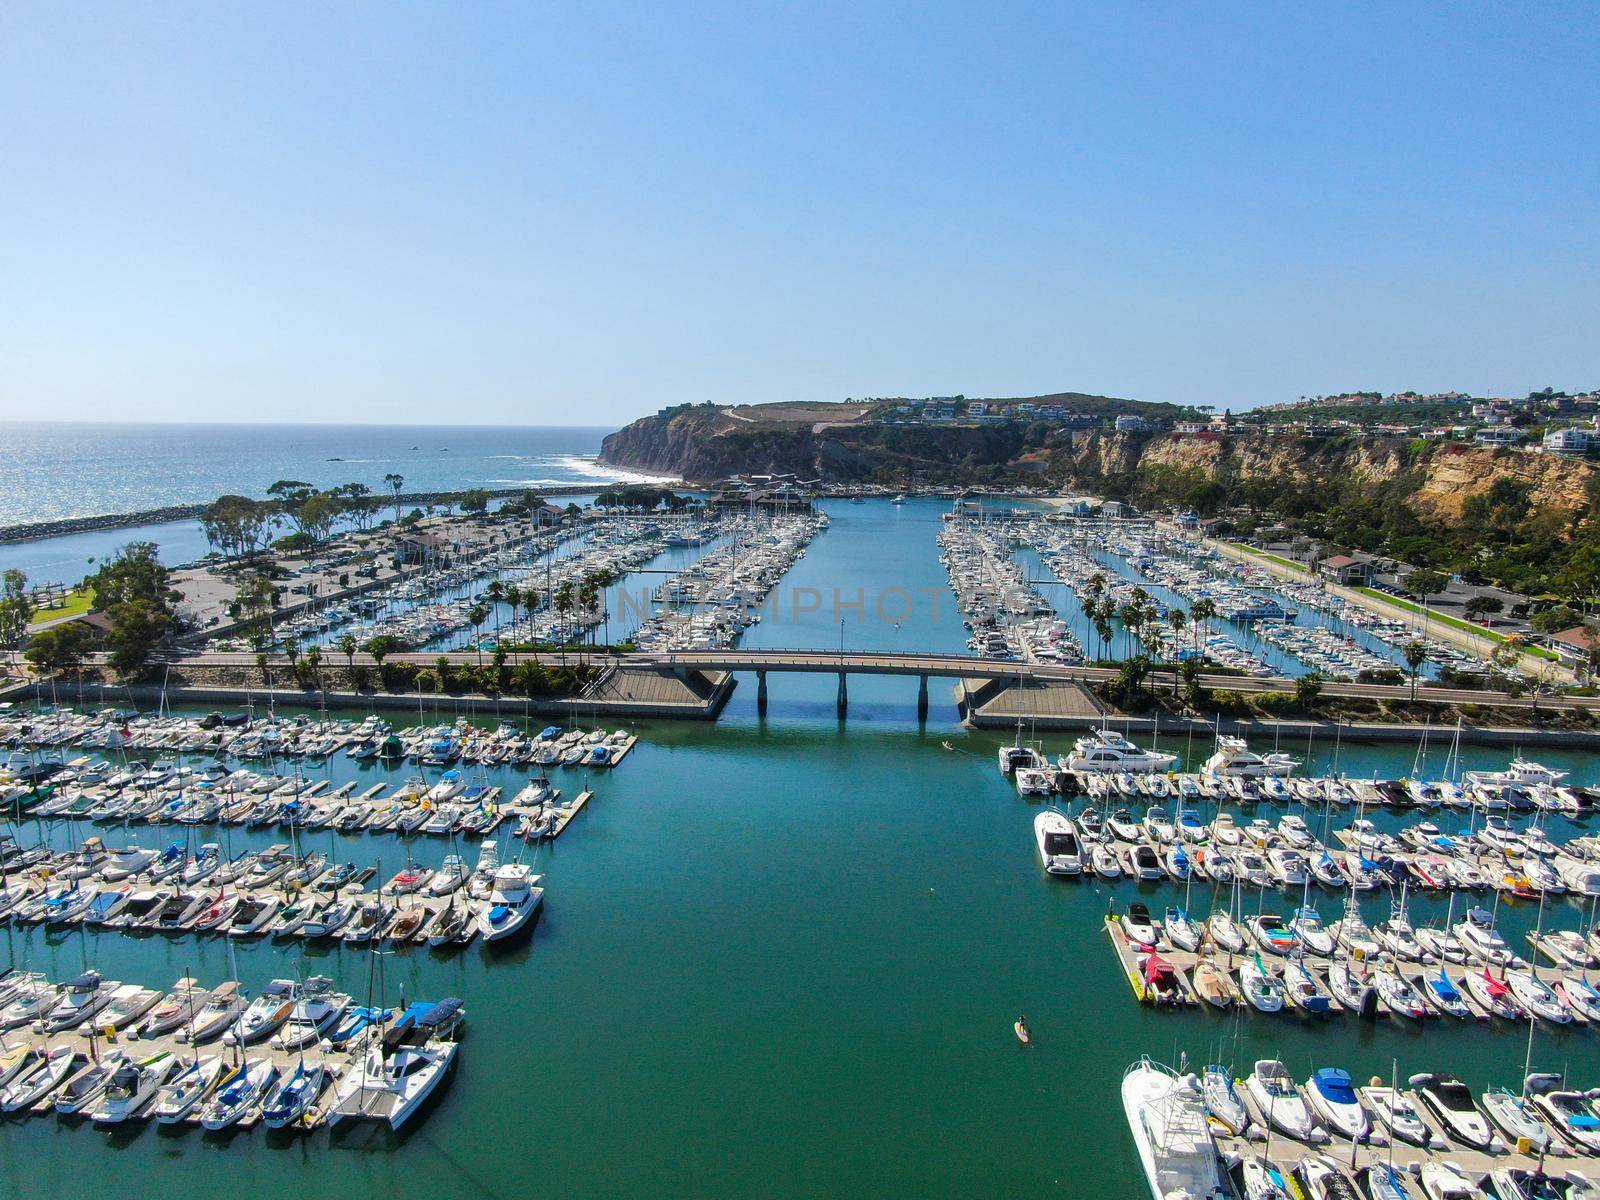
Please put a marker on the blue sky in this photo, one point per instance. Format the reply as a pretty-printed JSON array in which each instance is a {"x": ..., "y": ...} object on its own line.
[{"x": 578, "y": 213}]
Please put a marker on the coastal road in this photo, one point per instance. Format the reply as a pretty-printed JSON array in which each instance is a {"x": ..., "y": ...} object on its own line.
[{"x": 955, "y": 666}]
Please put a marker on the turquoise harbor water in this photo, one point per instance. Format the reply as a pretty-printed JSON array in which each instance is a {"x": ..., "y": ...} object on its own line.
[{"x": 779, "y": 957}]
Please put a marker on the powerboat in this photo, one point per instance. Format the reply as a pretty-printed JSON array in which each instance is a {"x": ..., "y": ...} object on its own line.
[
  {"x": 131, "y": 1087},
  {"x": 1278, "y": 1099},
  {"x": 512, "y": 902},
  {"x": 79, "y": 1000},
  {"x": 1323, "y": 1179},
  {"x": 1515, "y": 1118},
  {"x": 1572, "y": 1116},
  {"x": 1448, "y": 1099},
  {"x": 1060, "y": 848},
  {"x": 264, "y": 1014},
  {"x": 221, "y": 1010},
  {"x": 1393, "y": 1109},
  {"x": 1334, "y": 1098},
  {"x": 1108, "y": 751},
  {"x": 1166, "y": 1115},
  {"x": 1233, "y": 756},
  {"x": 315, "y": 1011},
  {"x": 1138, "y": 926}
]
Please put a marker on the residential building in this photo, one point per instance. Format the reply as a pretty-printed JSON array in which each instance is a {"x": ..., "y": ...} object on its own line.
[
  {"x": 1134, "y": 424},
  {"x": 1499, "y": 436},
  {"x": 1347, "y": 570},
  {"x": 1573, "y": 442},
  {"x": 1573, "y": 646}
]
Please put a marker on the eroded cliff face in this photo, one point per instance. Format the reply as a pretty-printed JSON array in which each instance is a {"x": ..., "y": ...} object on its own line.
[
  {"x": 1453, "y": 474},
  {"x": 704, "y": 445}
]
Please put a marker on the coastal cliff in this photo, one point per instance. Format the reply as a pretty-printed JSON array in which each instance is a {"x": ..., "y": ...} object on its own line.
[{"x": 853, "y": 444}]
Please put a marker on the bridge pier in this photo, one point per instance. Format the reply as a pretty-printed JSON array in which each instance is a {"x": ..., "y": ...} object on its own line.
[
  {"x": 922, "y": 697},
  {"x": 761, "y": 692},
  {"x": 844, "y": 695}
]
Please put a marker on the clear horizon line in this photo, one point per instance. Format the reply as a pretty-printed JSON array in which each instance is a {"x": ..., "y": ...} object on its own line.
[{"x": 313, "y": 424}]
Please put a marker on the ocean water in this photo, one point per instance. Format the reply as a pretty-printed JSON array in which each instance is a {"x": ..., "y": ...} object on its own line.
[
  {"x": 50, "y": 471},
  {"x": 780, "y": 957},
  {"x": 54, "y": 471}
]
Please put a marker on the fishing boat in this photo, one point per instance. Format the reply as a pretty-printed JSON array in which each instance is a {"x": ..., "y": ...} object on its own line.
[
  {"x": 1166, "y": 1114},
  {"x": 511, "y": 904}
]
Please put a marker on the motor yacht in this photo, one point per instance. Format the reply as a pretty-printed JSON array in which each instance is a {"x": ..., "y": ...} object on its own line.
[
  {"x": 1449, "y": 1100},
  {"x": 511, "y": 904},
  {"x": 1166, "y": 1114},
  {"x": 1060, "y": 848},
  {"x": 1106, "y": 750},
  {"x": 1334, "y": 1099},
  {"x": 1278, "y": 1099}
]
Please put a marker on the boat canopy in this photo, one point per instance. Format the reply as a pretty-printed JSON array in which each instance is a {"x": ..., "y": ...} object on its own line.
[{"x": 1334, "y": 1083}]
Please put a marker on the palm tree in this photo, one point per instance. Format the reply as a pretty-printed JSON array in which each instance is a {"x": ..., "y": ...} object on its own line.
[
  {"x": 1177, "y": 620},
  {"x": 1204, "y": 609},
  {"x": 347, "y": 647},
  {"x": 1416, "y": 654},
  {"x": 395, "y": 482},
  {"x": 495, "y": 593},
  {"x": 477, "y": 615},
  {"x": 514, "y": 602}
]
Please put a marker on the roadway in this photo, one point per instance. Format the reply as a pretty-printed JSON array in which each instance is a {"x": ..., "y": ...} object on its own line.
[{"x": 955, "y": 666}]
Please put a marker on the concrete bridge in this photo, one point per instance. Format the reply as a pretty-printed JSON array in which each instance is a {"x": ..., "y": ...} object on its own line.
[{"x": 687, "y": 664}]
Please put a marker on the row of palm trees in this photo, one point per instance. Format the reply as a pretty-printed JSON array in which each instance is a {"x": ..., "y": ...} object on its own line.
[{"x": 1139, "y": 614}]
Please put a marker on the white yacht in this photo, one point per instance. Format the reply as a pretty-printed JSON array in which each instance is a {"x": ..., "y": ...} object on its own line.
[
  {"x": 1482, "y": 940},
  {"x": 1106, "y": 750},
  {"x": 1520, "y": 773},
  {"x": 1278, "y": 1099},
  {"x": 1060, "y": 847},
  {"x": 1167, "y": 1117},
  {"x": 513, "y": 900},
  {"x": 1234, "y": 757}
]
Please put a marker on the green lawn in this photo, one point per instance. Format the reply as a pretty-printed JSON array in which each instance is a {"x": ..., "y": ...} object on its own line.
[
  {"x": 1454, "y": 622},
  {"x": 78, "y": 603},
  {"x": 1282, "y": 562}
]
